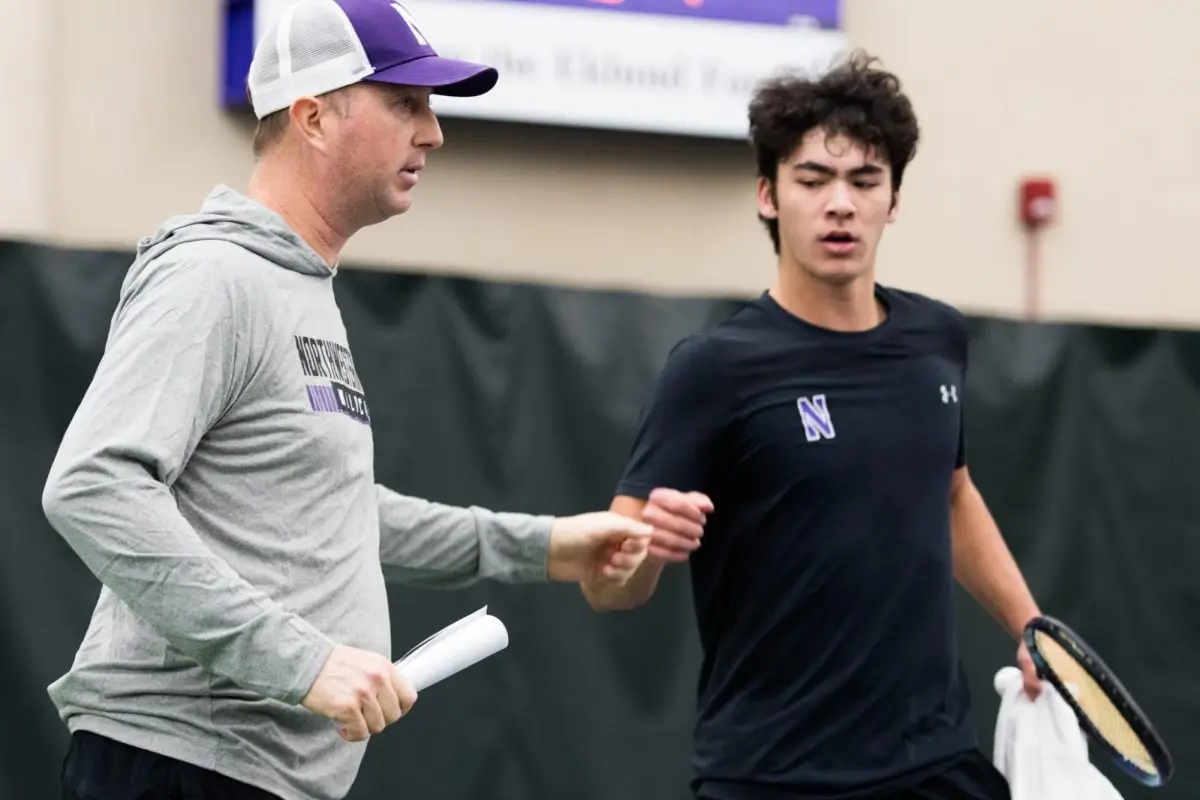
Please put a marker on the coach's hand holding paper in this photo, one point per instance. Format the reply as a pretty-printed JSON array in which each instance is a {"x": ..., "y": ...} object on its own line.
[
  {"x": 361, "y": 692},
  {"x": 453, "y": 649}
]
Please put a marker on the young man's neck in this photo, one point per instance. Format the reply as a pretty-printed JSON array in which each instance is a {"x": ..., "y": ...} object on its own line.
[
  {"x": 847, "y": 307},
  {"x": 288, "y": 197}
]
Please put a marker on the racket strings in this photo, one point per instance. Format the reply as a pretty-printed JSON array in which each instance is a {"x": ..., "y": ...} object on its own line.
[{"x": 1096, "y": 705}]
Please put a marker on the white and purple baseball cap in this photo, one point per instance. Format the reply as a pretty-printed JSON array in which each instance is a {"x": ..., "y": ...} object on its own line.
[{"x": 318, "y": 46}]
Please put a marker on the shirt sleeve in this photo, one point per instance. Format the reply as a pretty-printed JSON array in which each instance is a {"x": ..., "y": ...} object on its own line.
[
  {"x": 681, "y": 425},
  {"x": 428, "y": 544},
  {"x": 174, "y": 362},
  {"x": 962, "y": 337},
  {"x": 960, "y": 460}
]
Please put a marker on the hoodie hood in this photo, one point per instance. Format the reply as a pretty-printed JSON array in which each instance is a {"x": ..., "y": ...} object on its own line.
[{"x": 229, "y": 216}]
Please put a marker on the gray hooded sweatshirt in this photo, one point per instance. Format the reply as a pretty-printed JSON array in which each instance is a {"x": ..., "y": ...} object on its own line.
[{"x": 218, "y": 479}]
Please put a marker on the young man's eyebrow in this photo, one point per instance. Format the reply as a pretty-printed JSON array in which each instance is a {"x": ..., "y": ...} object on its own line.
[{"x": 825, "y": 169}]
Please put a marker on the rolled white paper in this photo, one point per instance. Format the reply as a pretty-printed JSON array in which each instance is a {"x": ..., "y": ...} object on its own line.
[{"x": 461, "y": 645}]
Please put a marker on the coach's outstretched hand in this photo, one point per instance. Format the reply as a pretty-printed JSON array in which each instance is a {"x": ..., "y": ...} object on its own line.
[
  {"x": 598, "y": 546},
  {"x": 605, "y": 547},
  {"x": 362, "y": 691}
]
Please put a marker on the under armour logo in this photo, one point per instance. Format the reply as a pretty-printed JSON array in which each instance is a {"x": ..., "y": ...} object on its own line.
[{"x": 949, "y": 393}]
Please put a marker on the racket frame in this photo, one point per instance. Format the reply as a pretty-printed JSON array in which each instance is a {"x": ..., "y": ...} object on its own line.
[{"x": 1122, "y": 700}]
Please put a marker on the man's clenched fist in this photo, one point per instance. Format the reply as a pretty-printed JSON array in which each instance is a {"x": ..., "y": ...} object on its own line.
[{"x": 361, "y": 691}]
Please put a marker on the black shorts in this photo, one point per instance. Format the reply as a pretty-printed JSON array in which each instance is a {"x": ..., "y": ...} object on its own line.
[
  {"x": 971, "y": 777},
  {"x": 98, "y": 768}
]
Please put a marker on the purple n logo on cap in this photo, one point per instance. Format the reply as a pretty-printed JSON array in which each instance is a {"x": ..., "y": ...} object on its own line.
[
  {"x": 412, "y": 24},
  {"x": 401, "y": 54},
  {"x": 388, "y": 33}
]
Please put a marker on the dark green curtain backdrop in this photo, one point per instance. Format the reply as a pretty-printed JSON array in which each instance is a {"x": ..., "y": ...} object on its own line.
[{"x": 1084, "y": 439}]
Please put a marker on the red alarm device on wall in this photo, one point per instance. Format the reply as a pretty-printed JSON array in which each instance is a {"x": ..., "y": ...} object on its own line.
[{"x": 1039, "y": 202}]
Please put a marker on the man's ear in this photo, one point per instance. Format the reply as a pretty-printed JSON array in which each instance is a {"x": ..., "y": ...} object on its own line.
[
  {"x": 767, "y": 207},
  {"x": 309, "y": 118},
  {"x": 895, "y": 209}
]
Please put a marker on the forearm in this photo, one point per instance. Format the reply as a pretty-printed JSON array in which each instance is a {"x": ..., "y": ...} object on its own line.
[
  {"x": 125, "y": 527},
  {"x": 629, "y": 595},
  {"x": 984, "y": 565},
  {"x": 441, "y": 546},
  {"x": 609, "y": 596}
]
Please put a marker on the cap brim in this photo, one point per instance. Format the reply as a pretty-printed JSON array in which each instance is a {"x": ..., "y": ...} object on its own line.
[{"x": 443, "y": 75}]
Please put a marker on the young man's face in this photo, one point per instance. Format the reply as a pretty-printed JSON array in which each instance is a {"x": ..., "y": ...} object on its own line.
[{"x": 832, "y": 199}]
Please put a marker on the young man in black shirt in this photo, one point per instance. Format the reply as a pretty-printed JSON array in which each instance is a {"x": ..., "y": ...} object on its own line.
[{"x": 818, "y": 434}]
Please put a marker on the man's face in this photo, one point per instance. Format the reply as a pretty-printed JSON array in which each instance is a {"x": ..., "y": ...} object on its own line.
[
  {"x": 832, "y": 199},
  {"x": 382, "y": 140}
]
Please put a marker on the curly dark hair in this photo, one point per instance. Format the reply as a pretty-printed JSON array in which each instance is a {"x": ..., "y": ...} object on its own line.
[{"x": 855, "y": 99}]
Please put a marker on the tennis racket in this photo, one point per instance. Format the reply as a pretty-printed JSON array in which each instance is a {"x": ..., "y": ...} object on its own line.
[{"x": 1106, "y": 711}]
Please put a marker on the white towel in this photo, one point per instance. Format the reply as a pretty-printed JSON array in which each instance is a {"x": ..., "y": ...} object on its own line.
[{"x": 1040, "y": 748}]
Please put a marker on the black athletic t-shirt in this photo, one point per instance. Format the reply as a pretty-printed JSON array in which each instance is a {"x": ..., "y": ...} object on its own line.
[{"x": 823, "y": 587}]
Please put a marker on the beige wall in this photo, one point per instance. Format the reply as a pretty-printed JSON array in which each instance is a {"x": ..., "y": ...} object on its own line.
[
  {"x": 25, "y": 82},
  {"x": 1106, "y": 100}
]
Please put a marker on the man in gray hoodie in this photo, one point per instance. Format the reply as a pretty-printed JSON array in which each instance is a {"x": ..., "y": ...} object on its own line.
[{"x": 218, "y": 476}]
